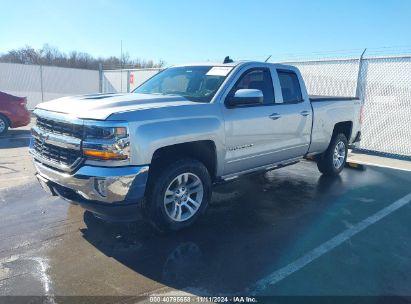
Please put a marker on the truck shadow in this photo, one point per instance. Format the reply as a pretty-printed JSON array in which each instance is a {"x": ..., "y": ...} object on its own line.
[
  {"x": 17, "y": 132},
  {"x": 15, "y": 139},
  {"x": 244, "y": 235}
]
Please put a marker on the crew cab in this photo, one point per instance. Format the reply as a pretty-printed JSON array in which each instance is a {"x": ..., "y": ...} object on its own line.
[{"x": 156, "y": 152}]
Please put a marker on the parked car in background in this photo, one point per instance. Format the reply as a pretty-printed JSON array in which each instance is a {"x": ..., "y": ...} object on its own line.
[
  {"x": 162, "y": 147},
  {"x": 13, "y": 112}
]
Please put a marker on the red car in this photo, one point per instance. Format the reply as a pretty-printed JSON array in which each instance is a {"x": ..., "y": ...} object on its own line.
[{"x": 13, "y": 112}]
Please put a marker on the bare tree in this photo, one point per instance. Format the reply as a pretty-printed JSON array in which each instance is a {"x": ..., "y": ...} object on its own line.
[{"x": 49, "y": 55}]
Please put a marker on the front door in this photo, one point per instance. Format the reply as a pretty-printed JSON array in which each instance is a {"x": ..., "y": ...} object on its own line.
[
  {"x": 268, "y": 133},
  {"x": 250, "y": 132}
]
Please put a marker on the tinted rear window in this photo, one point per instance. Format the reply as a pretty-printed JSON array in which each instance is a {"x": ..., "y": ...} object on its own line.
[{"x": 290, "y": 87}]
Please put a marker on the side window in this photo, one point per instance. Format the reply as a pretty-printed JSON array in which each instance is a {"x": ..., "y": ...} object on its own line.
[
  {"x": 259, "y": 79},
  {"x": 290, "y": 87}
]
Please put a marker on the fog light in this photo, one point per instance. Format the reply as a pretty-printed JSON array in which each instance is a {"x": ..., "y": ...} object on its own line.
[{"x": 100, "y": 186}]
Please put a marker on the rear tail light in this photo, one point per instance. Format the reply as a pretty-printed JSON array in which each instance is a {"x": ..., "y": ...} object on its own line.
[{"x": 23, "y": 101}]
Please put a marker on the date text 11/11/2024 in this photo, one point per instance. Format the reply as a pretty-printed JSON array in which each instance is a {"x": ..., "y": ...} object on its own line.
[{"x": 198, "y": 299}]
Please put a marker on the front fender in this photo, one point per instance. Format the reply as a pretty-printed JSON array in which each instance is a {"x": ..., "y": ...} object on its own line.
[
  {"x": 152, "y": 129},
  {"x": 153, "y": 136}
]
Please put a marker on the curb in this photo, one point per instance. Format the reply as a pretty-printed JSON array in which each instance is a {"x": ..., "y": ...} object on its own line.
[
  {"x": 350, "y": 164},
  {"x": 355, "y": 165}
]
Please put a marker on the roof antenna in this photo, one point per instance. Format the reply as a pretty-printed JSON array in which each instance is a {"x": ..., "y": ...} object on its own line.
[
  {"x": 267, "y": 58},
  {"x": 227, "y": 59}
]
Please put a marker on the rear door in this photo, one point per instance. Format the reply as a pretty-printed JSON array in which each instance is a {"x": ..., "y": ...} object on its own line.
[{"x": 295, "y": 115}]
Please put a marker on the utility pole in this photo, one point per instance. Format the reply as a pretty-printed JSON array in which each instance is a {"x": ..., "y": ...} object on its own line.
[{"x": 121, "y": 66}]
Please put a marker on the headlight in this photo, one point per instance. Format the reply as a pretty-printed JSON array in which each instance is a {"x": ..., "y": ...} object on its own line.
[
  {"x": 99, "y": 132},
  {"x": 106, "y": 141}
]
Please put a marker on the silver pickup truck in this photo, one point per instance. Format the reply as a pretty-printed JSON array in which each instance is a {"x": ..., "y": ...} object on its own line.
[{"x": 157, "y": 151}]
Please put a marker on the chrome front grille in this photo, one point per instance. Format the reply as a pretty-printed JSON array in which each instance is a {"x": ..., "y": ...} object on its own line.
[
  {"x": 57, "y": 140},
  {"x": 59, "y": 127},
  {"x": 58, "y": 155}
]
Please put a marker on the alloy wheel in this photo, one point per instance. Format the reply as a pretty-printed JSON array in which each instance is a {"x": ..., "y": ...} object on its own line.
[
  {"x": 339, "y": 155},
  {"x": 2, "y": 125},
  {"x": 183, "y": 197}
]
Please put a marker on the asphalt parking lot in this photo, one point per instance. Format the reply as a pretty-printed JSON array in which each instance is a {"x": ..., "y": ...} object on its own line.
[{"x": 289, "y": 232}]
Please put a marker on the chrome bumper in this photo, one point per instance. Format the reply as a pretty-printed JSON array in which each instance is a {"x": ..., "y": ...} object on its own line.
[{"x": 102, "y": 184}]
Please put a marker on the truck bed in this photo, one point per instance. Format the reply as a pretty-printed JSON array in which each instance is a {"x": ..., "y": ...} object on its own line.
[{"x": 319, "y": 98}]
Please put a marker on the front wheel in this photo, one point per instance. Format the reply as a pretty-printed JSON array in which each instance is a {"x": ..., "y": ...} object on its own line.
[
  {"x": 179, "y": 195},
  {"x": 332, "y": 161}
]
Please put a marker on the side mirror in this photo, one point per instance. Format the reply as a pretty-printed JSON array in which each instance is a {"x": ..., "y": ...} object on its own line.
[{"x": 244, "y": 97}]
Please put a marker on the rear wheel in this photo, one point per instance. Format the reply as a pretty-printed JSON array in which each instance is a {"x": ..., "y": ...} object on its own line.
[
  {"x": 332, "y": 161},
  {"x": 4, "y": 125},
  {"x": 179, "y": 195}
]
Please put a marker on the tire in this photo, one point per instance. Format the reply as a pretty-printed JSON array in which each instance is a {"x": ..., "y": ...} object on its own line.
[
  {"x": 175, "y": 210},
  {"x": 332, "y": 161},
  {"x": 4, "y": 125}
]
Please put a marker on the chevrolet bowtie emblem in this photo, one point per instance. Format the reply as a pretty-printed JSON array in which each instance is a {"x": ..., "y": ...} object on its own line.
[{"x": 43, "y": 138}]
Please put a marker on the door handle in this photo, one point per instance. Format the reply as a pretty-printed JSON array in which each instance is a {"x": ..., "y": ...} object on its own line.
[
  {"x": 305, "y": 113},
  {"x": 275, "y": 116}
]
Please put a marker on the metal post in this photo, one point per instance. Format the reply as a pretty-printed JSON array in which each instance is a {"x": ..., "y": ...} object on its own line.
[
  {"x": 41, "y": 83},
  {"x": 100, "y": 78},
  {"x": 128, "y": 81},
  {"x": 121, "y": 66},
  {"x": 358, "y": 88}
]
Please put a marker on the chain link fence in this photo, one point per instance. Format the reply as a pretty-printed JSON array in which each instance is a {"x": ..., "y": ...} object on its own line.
[
  {"x": 334, "y": 78},
  {"x": 384, "y": 85},
  {"x": 382, "y": 82}
]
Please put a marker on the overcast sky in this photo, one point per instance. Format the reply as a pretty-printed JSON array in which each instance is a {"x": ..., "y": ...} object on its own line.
[{"x": 185, "y": 30}]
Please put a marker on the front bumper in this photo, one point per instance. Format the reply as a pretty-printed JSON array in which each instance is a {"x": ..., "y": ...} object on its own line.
[{"x": 109, "y": 186}]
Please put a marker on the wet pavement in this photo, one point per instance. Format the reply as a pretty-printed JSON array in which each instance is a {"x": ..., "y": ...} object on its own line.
[
  {"x": 254, "y": 226},
  {"x": 15, "y": 165}
]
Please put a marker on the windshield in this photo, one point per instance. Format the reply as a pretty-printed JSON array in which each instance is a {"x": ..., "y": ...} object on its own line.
[{"x": 195, "y": 83}]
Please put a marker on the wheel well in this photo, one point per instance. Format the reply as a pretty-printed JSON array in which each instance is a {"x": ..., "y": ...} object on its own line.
[
  {"x": 5, "y": 116},
  {"x": 344, "y": 127},
  {"x": 204, "y": 151}
]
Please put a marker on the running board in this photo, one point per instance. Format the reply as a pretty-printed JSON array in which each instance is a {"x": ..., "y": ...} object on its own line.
[{"x": 232, "y": 177}]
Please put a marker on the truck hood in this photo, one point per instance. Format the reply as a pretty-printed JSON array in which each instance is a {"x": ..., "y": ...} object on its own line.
[{"x": 101, "y": 106}]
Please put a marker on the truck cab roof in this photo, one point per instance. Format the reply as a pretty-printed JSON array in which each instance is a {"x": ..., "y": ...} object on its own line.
[{"x": 235, "y": 64}]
